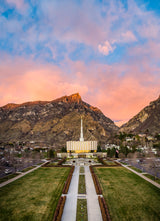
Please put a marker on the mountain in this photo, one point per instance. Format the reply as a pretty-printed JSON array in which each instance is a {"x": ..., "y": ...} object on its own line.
[
  {"x": 146, "y": 121},
  {"x": 54, "y": 122}
]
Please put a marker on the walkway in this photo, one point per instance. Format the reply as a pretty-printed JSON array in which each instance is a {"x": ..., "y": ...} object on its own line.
[
  {"x": 69, "y": 212},
  {"x": 19, "y": 176},
  {"x": 142, "y": 176},
  {"x": 94, "y": 212},
  {"x": 93, "y": 209}
]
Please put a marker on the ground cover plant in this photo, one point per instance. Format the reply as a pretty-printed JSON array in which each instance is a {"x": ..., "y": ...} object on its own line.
[
  {"x": 81, "y": 210},
  {"x": 128, "y": 196},
  {"x": 34, "y": 196},
  {"x": 81, "y": 185}
]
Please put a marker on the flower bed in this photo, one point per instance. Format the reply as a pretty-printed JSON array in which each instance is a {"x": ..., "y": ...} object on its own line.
[
  {"x": 59, "y": 209},
  {"x": 104, "y": 209}
]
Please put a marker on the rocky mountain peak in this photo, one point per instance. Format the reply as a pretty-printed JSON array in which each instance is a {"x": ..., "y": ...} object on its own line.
[
  {"x": 74, "y": 98},
  {"x": 54, "y": 122}
]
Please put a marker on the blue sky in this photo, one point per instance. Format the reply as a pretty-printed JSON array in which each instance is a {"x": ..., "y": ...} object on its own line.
[{"x": 106, "y": 50}]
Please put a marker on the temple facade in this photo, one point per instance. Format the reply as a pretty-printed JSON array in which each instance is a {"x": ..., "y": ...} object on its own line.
[{"x": 81, "y": 146}]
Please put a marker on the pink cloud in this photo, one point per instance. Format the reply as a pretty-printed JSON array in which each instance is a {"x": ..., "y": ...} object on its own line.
[
  {"x": 128, "y": 36},
  {"x": 20, "y": 4},
  {"x": 119, "y": 97},
  {"x": 106, "y": 48}
]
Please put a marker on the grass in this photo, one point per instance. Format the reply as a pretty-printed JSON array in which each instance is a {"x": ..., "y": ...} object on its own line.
[
  {"x": 81, "y": 185},
  {"x": 33, "y": 197},
  {"x": 81, "y": 210},
  {"x": 129, "y": 197},
  {"x": 8, "y": 177},
  {"x": 52, "y": 164},
  {"x": 157, "y": 180},
  {"x": 81, "y": 170},
  {"x": 136, "y": 169},
  {"x": 110, "y": 163}
]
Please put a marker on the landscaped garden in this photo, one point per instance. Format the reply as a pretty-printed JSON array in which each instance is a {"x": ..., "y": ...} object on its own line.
[
  {"x": 81, "y": 210},
  {"x": 34, "y": 196},
  {"x": 81, "y": 185},
  {"x": 81, "y": 170},
  {"x": 128, "y": 196}
]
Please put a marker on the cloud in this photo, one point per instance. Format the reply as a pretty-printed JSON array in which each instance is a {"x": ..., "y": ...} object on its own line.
[
  {"x": 106, "y": 48},
  {"x": 20, "y": 4},
  {"x": 128, "y": 36}
]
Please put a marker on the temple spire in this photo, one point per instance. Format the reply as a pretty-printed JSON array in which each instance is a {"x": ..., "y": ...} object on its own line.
[{"x": 81, "y": 136}]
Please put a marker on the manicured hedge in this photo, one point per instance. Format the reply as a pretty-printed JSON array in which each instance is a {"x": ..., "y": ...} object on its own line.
[
  {"x": 96, "y": 182},
  {"x": 59, "y": 209},
  {"x": 104, "y": 209},
  {"x": 67, "y": 183}
]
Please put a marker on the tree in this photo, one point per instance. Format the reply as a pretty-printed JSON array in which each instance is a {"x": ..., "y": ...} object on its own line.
[
  {"x": 124, "y": 150},
  {"x": 51, "y": 153},
  {"x": 64, "y": 150},
  {"x": 99, "y": 148}
]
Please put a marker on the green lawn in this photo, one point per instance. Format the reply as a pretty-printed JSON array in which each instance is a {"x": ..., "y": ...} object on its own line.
[
  {"x": 34, "y": 196},
  {"x": 129, "y": 197},
  {"x": 81, "y": 185},
  {"x": 110, "y": 163},
  {"x": 81, "y": 210}
]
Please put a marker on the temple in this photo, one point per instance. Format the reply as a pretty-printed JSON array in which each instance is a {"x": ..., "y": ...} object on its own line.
[{"x": 81, "y": 146}]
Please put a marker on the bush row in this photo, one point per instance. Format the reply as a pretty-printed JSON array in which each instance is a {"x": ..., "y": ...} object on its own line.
[
  {"x": 104, "y": 209},
  {"x": 59, "y": 209},
  {"x": 67, "y": 183},
  {"x": 61, "y": 161},
  {"x": 96, "y": 182}
]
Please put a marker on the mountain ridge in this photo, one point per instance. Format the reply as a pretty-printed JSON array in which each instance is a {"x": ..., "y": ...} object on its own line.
[
  {"x": 54, "y": 122},
  {"x": 146, "y": 121}
]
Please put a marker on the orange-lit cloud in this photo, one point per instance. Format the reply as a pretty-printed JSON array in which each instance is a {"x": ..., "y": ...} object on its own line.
[{"x": 119, "y": 97}]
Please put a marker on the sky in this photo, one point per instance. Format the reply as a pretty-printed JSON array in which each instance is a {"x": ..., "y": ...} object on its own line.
[{"x": 107, "y": 50}]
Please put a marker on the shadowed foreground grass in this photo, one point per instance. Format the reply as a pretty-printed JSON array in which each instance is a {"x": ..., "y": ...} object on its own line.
[
  {"x": 129, "y": 197},
  {"x": 34, "y": 196}
]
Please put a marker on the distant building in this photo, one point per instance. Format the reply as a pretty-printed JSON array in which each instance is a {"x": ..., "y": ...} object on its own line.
[{"x": 81, "y": 146}]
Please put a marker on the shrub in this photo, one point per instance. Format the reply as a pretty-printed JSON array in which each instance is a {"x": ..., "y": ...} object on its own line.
[
  {"x": 59, "y": 209},
  {"x": 104, "y": 209}
]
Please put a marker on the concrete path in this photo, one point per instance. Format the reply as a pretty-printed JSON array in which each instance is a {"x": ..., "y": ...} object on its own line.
[
  {"x": 93, "y": 208},
  {"x": 19, "y": 176},
  {"x": 142, "y": 176},
  {"x": 70, "y": 208}
]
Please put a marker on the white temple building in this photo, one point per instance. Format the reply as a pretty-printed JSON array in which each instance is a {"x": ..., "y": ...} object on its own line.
[{"x": 81, "y": 146}]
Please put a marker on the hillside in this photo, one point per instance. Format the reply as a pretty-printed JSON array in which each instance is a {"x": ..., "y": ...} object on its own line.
[
  {"x": 54, "y": 122},
  {"x": 146, "y": 121}
]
